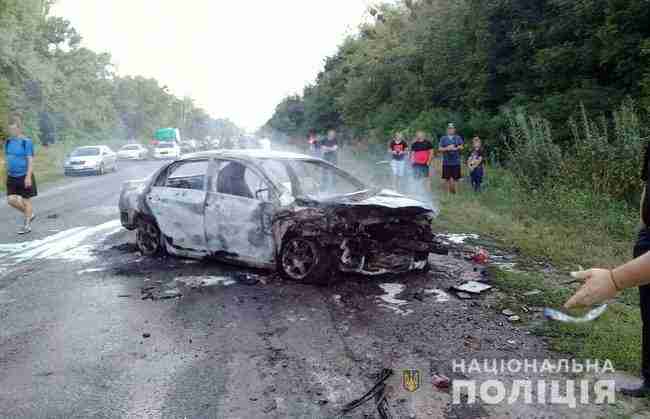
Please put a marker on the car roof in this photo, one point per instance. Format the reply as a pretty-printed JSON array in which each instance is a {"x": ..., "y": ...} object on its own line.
[{"x": 250, "y": 154}]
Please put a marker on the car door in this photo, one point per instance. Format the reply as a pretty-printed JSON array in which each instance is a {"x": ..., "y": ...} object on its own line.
[
  {"x": 177, "y": 202},
  {"x": 238, "y": 213}
]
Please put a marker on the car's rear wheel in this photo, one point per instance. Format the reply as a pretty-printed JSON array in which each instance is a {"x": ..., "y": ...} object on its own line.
[
  {"x": 304, "y": 260},
  {"x": 148, "y": 238}
]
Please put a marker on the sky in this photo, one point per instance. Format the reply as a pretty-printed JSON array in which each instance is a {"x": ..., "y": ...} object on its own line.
[{"x": 236, "y": 58}]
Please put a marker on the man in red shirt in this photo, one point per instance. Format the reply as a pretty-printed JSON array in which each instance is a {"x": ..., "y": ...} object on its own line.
[{"x": 421, "y": 156}]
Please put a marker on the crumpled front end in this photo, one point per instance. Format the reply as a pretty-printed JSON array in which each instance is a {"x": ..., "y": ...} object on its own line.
[
  {"x": 368, "y": 240},
  {"x": 386, "y": 244}
]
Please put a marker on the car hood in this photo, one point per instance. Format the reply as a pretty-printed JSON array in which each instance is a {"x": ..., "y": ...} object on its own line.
[
  {"x": 84, "y": 158},
  {"x": 382, "y": 200}
]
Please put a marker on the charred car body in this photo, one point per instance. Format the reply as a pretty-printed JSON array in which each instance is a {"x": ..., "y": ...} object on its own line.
[{"x": 267, "y": 209}]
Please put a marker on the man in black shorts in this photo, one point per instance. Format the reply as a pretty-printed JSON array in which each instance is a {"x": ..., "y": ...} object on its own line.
[
  {"x": 421, "y": 155},
  {"x": 450, "y": 146},
  {"x": 21, "y": 185}
]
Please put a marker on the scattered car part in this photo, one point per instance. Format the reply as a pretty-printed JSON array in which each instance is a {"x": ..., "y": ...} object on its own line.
[
  {"x": 378, "y": 392},
  {"x": 559, "y": 316},
  {"x": 472, "y": 287}
]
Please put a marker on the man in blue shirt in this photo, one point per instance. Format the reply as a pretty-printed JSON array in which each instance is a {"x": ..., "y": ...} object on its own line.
[
  {"x": 450, "y": 146},
  {"x": 21, "y": 186}
]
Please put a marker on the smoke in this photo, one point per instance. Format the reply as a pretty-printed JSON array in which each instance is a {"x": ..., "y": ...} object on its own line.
[{"x": 374, "y": 169}]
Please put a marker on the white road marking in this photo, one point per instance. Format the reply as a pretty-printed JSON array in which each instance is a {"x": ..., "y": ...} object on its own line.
[{"x": 64, "y": 245}]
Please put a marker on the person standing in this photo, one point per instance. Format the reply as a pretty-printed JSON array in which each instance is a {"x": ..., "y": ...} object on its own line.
[
  {"x": 329, "y": 149},
  {"x": 21, "y": 184},
  {"x": 314, "y": 144},
  {"x": 398, "y": 149},
  {"x": 421, "y": 156},
  {"x": 451, "y": 145},
  {"x": 604, "y": 284},
  {"x": 476, "y": 162}
]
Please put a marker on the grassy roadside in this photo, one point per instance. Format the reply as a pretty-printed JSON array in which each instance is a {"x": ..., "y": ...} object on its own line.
[{"x": 576, "y": 234}]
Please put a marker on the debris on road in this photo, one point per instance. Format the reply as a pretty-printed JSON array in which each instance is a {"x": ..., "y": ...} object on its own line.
[
  {"x": 508, "y": 313},
  {"x": 531, "y": 293},
  {"x": 440, "y": 381},
  {"x": 441, "y": 296},
  {"x": 514, "y": 318},
  {"x": 378, "y": 391},
  {"x": 146, "y": 335},
  {"x": 195, "y": 282},
  {"x": 464, "y": 296},
  {"x": 480, "y": 256},
  {"x": 472, "y": 287}
]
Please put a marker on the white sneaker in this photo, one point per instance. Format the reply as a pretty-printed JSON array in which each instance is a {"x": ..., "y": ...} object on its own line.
[{"x": 27, "y": 228}]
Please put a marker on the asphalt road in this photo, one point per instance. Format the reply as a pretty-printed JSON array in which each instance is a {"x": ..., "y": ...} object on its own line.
[{"x": 89, "y": 328}]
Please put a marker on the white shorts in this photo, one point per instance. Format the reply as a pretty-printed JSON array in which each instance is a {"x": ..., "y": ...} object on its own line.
[{"x": 399, "y": 167}]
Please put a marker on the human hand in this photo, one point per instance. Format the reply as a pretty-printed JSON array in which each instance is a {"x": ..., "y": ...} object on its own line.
[
  {"x": 599, "y": 286},
  {"x": 28, "y": 182}
]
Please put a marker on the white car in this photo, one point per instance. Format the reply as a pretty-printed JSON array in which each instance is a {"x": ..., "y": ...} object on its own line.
[
  {"x": 167, "y": 150},
  {"x": 90, "y": 159},
  {"x": 132, "y": 152}
]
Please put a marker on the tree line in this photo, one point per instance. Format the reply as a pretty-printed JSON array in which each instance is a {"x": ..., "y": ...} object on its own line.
[
  {"x": 69, "y": 93},
  {"x": 417, "y": 64}
]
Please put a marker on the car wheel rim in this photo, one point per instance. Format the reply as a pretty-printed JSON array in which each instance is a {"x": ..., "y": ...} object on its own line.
[
  {"x": 148, "y": 238},
  {"x": 299, "y": 258}
]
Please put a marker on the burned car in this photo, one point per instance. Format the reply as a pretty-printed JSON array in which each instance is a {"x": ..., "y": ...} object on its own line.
[{"x": 267, "y": 209}]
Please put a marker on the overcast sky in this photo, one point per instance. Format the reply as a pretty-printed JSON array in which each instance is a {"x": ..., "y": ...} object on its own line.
[{"x": 236, "y": 58}]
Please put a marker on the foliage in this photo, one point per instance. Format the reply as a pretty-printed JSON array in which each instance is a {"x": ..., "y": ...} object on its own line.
[
  {"x": 475, "y": 58},
  {"x": 533, "y": 157}
]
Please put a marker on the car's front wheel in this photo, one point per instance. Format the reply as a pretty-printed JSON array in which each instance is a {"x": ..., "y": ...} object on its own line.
[
  {"x": 101, "y": 170},
  {"x": 148, "y": 238},
  {"x": 303, "y": 259}
]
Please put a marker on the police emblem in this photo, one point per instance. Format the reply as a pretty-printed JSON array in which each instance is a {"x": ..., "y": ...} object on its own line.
[{"x": 411, "y": 380}]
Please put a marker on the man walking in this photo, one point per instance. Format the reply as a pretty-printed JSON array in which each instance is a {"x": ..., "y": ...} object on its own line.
[
  {"x": 421, "y": 155},
  {"x": 451, "y": 145},
  {"x": 398, "y": 148},
  {"x": 21, "y": 185}
]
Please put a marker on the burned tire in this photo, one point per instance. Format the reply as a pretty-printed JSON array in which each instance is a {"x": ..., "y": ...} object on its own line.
[
  {"x": 148, "y": 238},
  {"x": 304, "y": 260}
]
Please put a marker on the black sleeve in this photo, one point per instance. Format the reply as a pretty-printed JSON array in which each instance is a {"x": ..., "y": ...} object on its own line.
[{"x": 644, "y": 168}]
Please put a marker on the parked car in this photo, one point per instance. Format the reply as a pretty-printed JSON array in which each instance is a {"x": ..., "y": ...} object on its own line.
[
  {"x": 132, "y": 152},
  {"x": 270, "y": 209},
  {"x": 90, "y": 159},
  {"x": 167, "y": 150}
]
